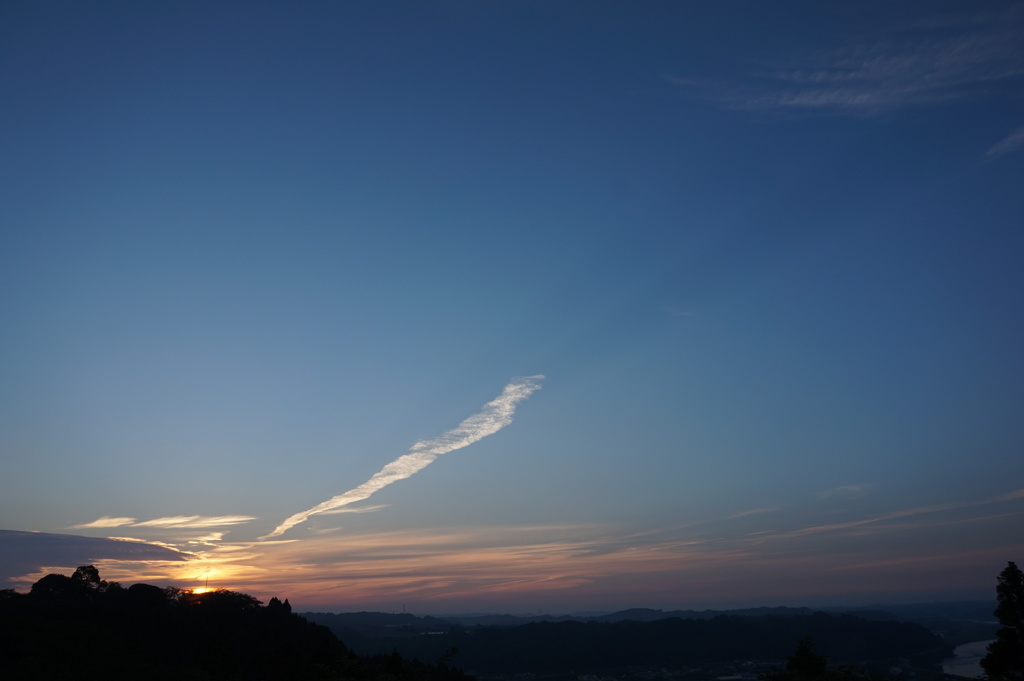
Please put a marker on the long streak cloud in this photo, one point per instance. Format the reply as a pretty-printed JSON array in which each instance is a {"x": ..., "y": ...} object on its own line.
[{"x": 495, "y": 415}]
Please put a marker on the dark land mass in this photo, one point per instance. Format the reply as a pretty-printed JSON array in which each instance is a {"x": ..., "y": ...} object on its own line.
[
  {"x": 958, "y": 622},
  {"x": 647, "y": 643},
  {"x": 938, "y": 617},
  {"x": 84, "y": 628}
]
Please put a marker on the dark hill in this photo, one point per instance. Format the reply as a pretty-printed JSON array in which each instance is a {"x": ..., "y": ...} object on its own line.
[
  {"x": 82, "y": 628},
  {"x": 573, "y": 647}
]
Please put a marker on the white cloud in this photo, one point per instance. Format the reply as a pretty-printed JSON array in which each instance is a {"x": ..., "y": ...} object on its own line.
[
  {"x": 1012, "y": 142},
  {"x": 195, "y": 521},
  {"x": 362, "y": 509},
  {"x": 105, "y": 521},
  {"x": 209, "y": 539},
  {"x": 495, "y": 415},
  {"x": 176, "y": 522}
]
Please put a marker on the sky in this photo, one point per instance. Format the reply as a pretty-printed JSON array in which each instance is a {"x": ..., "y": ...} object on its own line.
[{"x": 514, "y": 306}]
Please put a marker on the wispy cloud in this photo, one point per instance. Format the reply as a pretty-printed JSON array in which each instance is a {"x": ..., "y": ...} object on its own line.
[
  {"x": 1009, "y": 496},
  {"x": 196, "y": 521},
  {"x": 927, "y": 63},
  {"x": 211, "y": 539},
  {"x": 455, "y": 568},
  {"x": 902, "y": 513},
  {"x": 472, "y": 567},
  {"x": 105, "y": 522},
  {"x": 361, "y": 509},
  {"x": 753, "y": 511},
  {"x": 171, "y": 522},
  {"x": 446, "y": 564},
  {"x": 1010, "y": 143},
  {"x": 495, "y": 415}
]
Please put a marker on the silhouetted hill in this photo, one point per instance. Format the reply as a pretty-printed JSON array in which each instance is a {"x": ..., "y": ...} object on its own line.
[
  {"x": 957, "y": 622},
  {"x": 82, "y": 628},
  {"x": 573, "y": 647},
  {"x": 491, "y": 620},
  {"x": 650, "y": 615},
  {"x": 379, "y": 622}
]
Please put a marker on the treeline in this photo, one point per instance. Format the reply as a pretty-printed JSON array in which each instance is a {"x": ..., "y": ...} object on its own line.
[
  {"x": 585, "y": 647},
  {"x": 82, "y": 627}
]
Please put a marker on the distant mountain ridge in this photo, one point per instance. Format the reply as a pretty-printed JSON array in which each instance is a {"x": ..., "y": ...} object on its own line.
[
  {"x": 495, "y": 645},
  {"x": 381, "y": 622},
  {"x": 925, "y": 614}
]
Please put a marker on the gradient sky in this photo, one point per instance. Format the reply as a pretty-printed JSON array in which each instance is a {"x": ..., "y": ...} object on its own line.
[{"x": 514, "y": 306}]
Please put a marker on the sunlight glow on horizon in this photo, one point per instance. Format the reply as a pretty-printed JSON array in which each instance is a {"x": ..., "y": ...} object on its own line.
[{"x": 444, "y": 567}]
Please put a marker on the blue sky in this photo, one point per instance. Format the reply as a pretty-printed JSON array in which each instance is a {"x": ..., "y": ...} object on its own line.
[{"x": 765, "y": 256}]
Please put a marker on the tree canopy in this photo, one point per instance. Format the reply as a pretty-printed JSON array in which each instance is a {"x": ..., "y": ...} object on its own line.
[
  {"x": 1005, "y": 658},
  {"x": 85, "y": 628}
]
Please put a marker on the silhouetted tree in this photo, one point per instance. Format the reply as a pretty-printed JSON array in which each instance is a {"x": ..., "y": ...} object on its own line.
[
  {"x": 805, "y": 661},
  {"x": 88, "y": 576},
  {"x": 807, "y": 665},
  {"x": 81, "y": 627},
  {"x": 1005, "y": 658},
  {"x": 147, "y": 595},
  {"x": 276, "y": 607},
  {"x": 55, "y": 586},
  {"x": 804, "y": 665}
]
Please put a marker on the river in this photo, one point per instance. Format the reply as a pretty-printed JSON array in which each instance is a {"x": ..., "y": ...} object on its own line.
[{"x": 966, "y": 660}]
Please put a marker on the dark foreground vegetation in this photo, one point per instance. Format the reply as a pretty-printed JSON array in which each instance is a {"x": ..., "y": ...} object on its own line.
[
  {"x": 1005, "y": 659},
  {"x": 83, "y": 628}
]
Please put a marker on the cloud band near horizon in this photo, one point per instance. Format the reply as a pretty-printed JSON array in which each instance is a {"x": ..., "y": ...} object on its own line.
[
  {"x": 170, "y": 522},
  {"x": 495, "y": 415}
]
